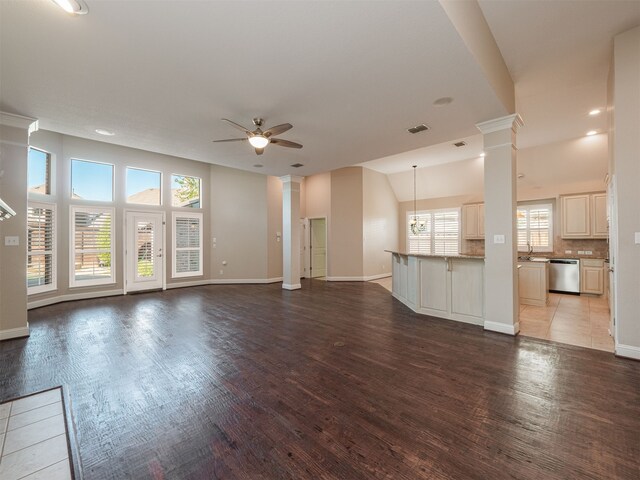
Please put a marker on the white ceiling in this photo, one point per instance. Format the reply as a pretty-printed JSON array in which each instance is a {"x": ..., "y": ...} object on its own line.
[{"x": 162, "y": 74}]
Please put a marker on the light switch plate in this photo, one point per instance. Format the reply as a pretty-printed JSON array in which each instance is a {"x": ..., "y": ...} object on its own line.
[
  {"x": 588, "y": 252},
  {"x": 568, "y": 252},
  {"x": 498, "y": 239},
  {"x": 637, "y": 238},
  {"x": 11, "y": 241}
]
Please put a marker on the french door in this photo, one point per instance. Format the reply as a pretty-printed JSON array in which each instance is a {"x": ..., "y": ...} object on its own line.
[{"x": 144, "y": 237}]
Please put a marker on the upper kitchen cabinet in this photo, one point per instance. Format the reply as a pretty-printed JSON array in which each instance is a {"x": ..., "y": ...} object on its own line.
[
  {"x": 584, "y": 215},
  {"x": 473, "y": 221}
]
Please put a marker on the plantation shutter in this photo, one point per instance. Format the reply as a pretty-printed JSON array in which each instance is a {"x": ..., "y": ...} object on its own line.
[
  {"x": 187, "y": 245},
  {"x": 523, "y": 232},
  {"x": 535, "y": 227},
  {"x": 92, "y": 240},
  {"x": 420, "y": 243},
  {"x": 446, "y": 232},
  {"x": 41, "y": 274}
]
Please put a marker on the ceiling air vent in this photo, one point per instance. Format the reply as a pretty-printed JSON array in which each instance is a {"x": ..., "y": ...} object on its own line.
[
  {"x": 418, "y": 128},
  {"x": 297, "y": 165},
  {"x": 459, "y": 144}
]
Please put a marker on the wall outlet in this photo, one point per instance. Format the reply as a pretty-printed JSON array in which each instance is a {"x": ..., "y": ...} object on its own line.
[
  {"x": 588, "y": 252},
  {"x": 580, "y": 252},
  {"x": 568, "y": 252},
  {"x": 11, "y": 241},
  {"x": 221, "y": 272},
  {"x": 498, "y": 239}
]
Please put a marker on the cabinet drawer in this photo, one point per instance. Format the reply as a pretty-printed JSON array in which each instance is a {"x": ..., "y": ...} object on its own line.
[{"x": 592, "y": 262}]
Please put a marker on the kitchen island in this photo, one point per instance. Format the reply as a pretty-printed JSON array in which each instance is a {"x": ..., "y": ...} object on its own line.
[{"x": 445, "y": 286}]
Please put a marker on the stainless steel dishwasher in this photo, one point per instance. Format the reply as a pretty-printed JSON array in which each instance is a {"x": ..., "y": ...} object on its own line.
[{"x": 564, "y": 275}]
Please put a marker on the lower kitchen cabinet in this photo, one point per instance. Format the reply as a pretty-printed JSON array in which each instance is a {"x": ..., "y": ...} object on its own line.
[
  {"x": 592, "y": 276},
  {"x": 533, "y": 283}
]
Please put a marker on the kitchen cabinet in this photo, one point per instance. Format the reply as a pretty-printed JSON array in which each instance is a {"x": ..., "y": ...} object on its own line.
[
  {"x": 473, "y": 221},
  {"x": 584, "y": 215},
  {"x": 592, "y": 276},
  {"x": 533, "y": 283}
]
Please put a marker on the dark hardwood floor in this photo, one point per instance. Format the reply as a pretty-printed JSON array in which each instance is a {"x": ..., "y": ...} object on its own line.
[{"x": 245, "y": 382}]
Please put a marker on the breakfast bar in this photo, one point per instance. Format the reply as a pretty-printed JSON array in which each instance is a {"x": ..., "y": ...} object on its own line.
[{"x": 445, "y": 286}]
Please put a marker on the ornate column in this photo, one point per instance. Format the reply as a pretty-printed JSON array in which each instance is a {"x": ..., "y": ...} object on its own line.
[{"x": 501, "y": 299}]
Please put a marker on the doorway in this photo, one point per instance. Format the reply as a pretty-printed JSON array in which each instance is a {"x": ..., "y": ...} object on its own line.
[
  {"x": 144, "y": 251},
  {"x": 318, "y": 247}
]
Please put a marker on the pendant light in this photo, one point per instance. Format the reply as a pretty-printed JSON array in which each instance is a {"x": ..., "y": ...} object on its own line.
[{"x": 416, "y": 225}]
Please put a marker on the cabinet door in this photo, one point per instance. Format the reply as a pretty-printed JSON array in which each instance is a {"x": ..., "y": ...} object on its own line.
[
  {"x": 599, "y": 222},
  {"x": 532, "y": 284},
  {"x": 481, "y": 220},
  {"x": 576, "y": 216},
  {"x": 592, "y": 280},
  {"x": 470, "y": 221}
]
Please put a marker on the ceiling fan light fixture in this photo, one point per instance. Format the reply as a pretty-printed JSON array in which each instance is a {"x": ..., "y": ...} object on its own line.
[
  {"x": 73, "y": 7},
  {"x": 258, "y": 141}
]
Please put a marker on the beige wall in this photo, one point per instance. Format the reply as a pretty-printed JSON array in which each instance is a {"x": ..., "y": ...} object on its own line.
[
  {"x": 626, "y": 152},
  {"x": 13, "y": 275},
  {"x": 345, "y": 229},
  {"x": 380, "y": 223}
]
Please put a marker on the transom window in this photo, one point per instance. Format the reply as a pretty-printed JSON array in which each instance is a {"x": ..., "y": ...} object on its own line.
[
  {"x": 143, "y": 186},
  {"x": 91, "y": 181},
  {"x": 185, "y": 191},
  {"x": 535, "y": 228},
  {"x": 39, "y": 171},
  {"x": 440, "y": 234}
]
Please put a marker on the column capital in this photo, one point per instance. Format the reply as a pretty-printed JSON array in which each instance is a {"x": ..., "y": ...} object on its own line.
[
  {"x": 18, "y": 121},
  {"x": 291, "y": 179},
  {"x": 513, "y": 122}
]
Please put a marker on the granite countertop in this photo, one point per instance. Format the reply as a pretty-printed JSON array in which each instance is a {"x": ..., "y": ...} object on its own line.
[{"x": 461, "y": 255}]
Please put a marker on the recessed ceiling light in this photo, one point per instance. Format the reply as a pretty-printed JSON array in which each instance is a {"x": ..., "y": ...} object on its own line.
[
  {"x": 483, "y": 154},
  {"x": 459, "y": 144},
  {"x": 258, "y": 165},
  {"x": 297, "y": 165},
  {"x": 102, "y": 131},
  {"x": 591, "y": 132},
  {"x": 594, "y": 112},
  {"x": 74, "y": 7},
  {"x": 442, "y": 101}
]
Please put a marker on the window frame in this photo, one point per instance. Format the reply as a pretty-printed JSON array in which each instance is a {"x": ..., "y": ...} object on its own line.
[
  {"x": 73, "y": 283},
  {"x": 200, "y": 200},
  {"x": 174, "y": 248},
  {"x": 126, "y": 185},
  {"x": 53, "y": 252},
  {"x": 528, "y": 207},
  {"x": 88, "y": 200},
  {"x": 432, "y": 239},
  {"x": 43, "y": 197}
]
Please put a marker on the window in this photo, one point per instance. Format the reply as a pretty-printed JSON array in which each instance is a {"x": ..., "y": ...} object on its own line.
[
  {"x": 143, "y": 186},
  {"x": 185, "y": 191},
  {"x": 187, "y": 244},
  {"x": 441, "y": 234},
  {"x": 39, "y": 171},
  {"x": 41, "y": 248},
  {"x": 535, "y": 228},
  {"x": 91, "y": 181},
  {"x": 92, "y": 246}
]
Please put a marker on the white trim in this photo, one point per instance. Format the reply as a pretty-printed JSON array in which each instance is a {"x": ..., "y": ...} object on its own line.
[
  {"x": 195, "y": 283},
  {"x": 54, "y": 248},
  {"x": 14, "y": 332},
  {"x": 17, "y": 121},
  {"x": 231, "y": 281},
  {"x": 73, "y": 283},
  {"x": 291, "y": 179},
  {"x": 366, "y": 278},
  {"x": 163, "y": 225},
  {"x": 502, "y": 327},
  {"x": 289, "y": 286},
  {"x": 174, "y": 230},
  {"x": 73, "y": 296},
  {"x": 627, "y": 351},
  {"x": 14, "y": 144},
  {"x": 513, "y": 121},
  {"x": 376, "y": 277}
]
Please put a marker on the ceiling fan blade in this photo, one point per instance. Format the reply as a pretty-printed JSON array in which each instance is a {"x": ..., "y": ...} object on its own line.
[
  {"x": 259, "y": 151},
  {"x": 237, "y": 125},
  {"x": 285, "y": 143},
  {"x": 231, "y": 140},
  {"x": 278, "y": 129}
]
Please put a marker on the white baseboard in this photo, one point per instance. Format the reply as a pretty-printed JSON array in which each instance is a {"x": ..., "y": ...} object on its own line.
[
  {"x": 290, "y": 286},
  {"x": 72, "y": 296},
  {"x": 345, "y": 279},
  {"x": 230, "y": 281},
  {"x": 628, "y": 351},
  {"x": 502, "y": 327},
  {"x": 195, "y": 283},
  {"x": 376, "y": 277},
  {"x": 14, "y": 332}
]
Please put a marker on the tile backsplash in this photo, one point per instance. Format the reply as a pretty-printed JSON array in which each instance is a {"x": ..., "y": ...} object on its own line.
[{"x": 598, "y": 247}]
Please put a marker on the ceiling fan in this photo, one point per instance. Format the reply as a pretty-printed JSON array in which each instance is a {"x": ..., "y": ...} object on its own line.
[{"x": 259, "y": 139}]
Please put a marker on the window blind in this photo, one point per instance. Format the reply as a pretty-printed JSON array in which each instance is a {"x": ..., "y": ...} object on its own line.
[
  {"x": 41, "y": 272},
  {"x": 535, "y": 227},
  {"x": 92, "y": 244},
  {"x": 187, "y": 248},
  {"x": 441, "y": 235}
]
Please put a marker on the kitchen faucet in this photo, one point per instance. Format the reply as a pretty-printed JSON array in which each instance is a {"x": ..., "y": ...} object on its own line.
[{"x": 530, "y": 247}]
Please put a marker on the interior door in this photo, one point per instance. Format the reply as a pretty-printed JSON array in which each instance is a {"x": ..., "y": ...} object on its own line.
[
  {"x": 145, "y": 249},
  {"x": 318, "y": 247}
]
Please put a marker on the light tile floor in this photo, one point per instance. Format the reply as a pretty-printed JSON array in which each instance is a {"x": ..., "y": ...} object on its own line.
[
  {"x": 576, "y": 320},
  {"x": 571, "y": 319},
  {"x": 33, "y": 440}
]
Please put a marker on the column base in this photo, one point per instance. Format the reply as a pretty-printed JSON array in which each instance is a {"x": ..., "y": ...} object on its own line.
[
  {"x": 502, "y": 327},
  {"x": 288, "y": 286}
]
